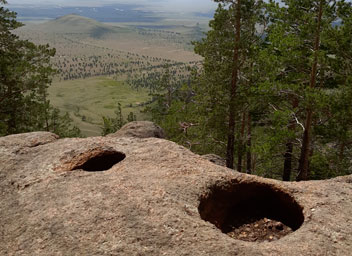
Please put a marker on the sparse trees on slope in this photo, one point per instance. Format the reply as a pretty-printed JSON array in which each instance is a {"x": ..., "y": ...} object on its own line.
[{"x": 25, "y": 73}]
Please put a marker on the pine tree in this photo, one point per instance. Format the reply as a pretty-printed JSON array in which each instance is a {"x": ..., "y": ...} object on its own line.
[
  {"x": 335, "y": 129},
  {"x": 299, "y": 39},
  {"x": 228, "y": 51},
  {"x": 25, "y": 73}
]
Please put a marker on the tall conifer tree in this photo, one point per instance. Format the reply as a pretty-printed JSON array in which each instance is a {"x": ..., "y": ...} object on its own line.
[
  {"x": 226, "y": 51},
  {"x": 299, "y": 36}
]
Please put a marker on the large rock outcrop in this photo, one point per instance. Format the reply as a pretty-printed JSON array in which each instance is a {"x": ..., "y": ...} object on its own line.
[{"x": 133, "y": 196}]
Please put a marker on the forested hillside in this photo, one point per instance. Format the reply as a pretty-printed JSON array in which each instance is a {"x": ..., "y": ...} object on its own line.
[
  {"x": 95, "y": 61},
  {"x": 88, "y": 48},
  {"x": 274, "y": 92}
]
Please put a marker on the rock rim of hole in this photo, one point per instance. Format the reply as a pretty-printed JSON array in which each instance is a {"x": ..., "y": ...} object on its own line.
[
  {"x": 232, "y": 205},
  {"x": 74, "y": 160},
  {"x": 104, "y": 161}
]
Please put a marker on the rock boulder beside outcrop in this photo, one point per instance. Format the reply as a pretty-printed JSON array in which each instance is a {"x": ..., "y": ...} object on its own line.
[
  {"x": 140, "y": 129},
  {"x": 215, "y": 159}
]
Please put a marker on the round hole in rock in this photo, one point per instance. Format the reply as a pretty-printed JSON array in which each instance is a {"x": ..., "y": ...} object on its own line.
[
  {"x": 102, "y": 161},
  {"x": 251, "y": 211}
]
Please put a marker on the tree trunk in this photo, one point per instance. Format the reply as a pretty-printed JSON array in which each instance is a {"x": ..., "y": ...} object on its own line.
[
  {"x": 46, "y": 112},
  {"x": 11, "y": 122},
  {"x": 254, "y": 163},
  {"x": 46, "y": 123},
  {"x": 342, "y": 151},
  {"x": 289, "y": 147},
  {"x": 240, "y": 143},
  {"x": 304, "y": 158},
  {"x": 234, "y": 81},
  {"x": 169, "y": 96},
  {"x": 288, "y": 162},
  {"x": 249, "y": 144}
]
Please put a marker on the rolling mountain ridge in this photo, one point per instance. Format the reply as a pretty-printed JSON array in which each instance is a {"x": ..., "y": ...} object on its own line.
[{"x": 75, "y": 24}]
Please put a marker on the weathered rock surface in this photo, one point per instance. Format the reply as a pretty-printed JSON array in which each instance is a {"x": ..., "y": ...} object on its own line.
[
  {"x": 56, "y": 199},
  {"x": 140, "y": 129}
]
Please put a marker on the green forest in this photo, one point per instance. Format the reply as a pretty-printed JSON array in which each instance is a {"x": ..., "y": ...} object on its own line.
[{"x": 272, "y": 94}]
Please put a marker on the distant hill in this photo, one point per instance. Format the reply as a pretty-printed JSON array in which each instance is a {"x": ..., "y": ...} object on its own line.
[
  {"x": 107, "y": 13},
  {"x": 75, "y": 24}
]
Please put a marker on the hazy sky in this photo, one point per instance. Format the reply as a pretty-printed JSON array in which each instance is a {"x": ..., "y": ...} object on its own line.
[{"x": 160, "y": 5}]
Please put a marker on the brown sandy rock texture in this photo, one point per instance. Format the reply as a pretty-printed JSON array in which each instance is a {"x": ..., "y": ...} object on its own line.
[
  {"x": 140, "y": 129},
  {"x": 133, "y": 196}
]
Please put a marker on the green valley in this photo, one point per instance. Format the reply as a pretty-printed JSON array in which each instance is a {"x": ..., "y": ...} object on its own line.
[{"x": 87, "y": 100}]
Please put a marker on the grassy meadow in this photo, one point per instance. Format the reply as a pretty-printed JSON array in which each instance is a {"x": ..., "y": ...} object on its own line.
[{"x": 87, "y": 100}]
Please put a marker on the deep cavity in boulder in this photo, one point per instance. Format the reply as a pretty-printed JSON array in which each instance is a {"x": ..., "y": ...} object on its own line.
[
  {"x": 102, "y": 161},
  {"x": 234, "y": 205}
]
